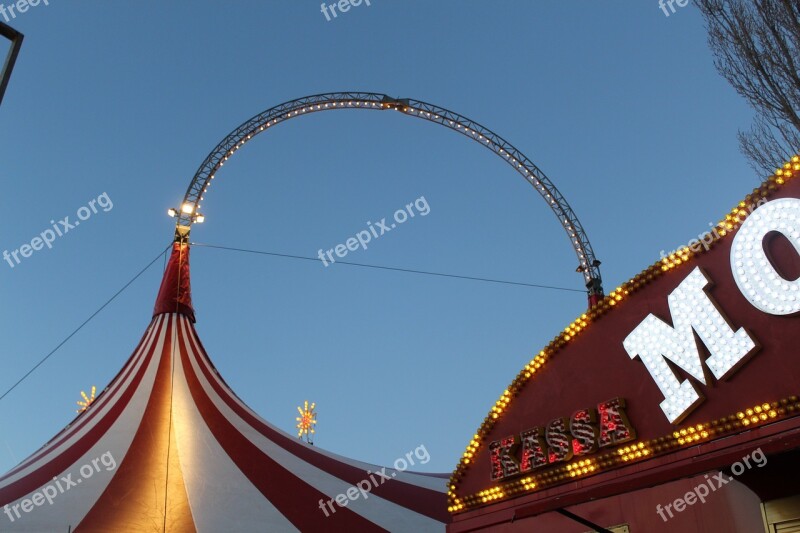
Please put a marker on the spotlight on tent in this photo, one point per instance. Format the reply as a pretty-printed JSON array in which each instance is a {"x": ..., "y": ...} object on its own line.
[
  {"x": 187, "y": 208},
  {"x": 199, "y": 218},
  {"x": 172, "y": 212}
]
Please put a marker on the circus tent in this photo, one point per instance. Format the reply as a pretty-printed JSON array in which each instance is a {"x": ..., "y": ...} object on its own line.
[{"x": 169, "y": 447}]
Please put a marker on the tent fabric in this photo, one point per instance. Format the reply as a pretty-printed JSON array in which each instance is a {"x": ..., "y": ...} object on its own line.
[
  {"x": 175, "y": 294},
  {"x": 168, "y": 446}
]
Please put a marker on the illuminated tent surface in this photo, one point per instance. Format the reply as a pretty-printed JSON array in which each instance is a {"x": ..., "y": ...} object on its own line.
[{"x": 168, "y": 446}]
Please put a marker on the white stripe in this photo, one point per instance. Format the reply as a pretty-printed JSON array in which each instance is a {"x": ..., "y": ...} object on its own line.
[
  {"x": 411, "y": 478},
  {"x": 71, "y": 506},
  {"x": 381, "y": 512},
  {"x": 135, "y": 406},
  {"x": 221, "y": 497}
]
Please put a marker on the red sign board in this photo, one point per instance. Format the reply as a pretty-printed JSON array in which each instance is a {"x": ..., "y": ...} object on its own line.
[{"x": 703, "y": 347}]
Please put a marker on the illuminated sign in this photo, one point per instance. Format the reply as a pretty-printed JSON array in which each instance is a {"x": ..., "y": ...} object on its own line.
[
  {"x": 693, "y": 311},
  {"x": 754, "y": 273},
  {"x": 585, "y": 432}
]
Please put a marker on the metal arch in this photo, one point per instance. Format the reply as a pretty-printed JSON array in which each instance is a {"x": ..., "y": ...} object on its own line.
[{"x": 589, "y": 265}]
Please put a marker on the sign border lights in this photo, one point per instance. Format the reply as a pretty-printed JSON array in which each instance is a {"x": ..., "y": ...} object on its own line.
[
  {"x": 740, "y": 220},
  {"x": 692, "y": 310}
]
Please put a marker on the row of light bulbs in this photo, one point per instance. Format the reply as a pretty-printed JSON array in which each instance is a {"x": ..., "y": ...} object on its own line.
[
  {"x": 637, "y": 451},
  {"x": 789, "y": 170}
]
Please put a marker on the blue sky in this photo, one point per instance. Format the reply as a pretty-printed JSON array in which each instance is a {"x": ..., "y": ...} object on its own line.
[{"x": 618, "y": 104}]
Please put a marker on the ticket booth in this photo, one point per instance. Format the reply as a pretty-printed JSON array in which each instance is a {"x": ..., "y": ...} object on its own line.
[{"x": 671, "y": 405}]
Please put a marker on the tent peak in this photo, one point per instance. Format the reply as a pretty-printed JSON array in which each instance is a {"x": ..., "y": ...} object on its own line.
[{"x": 175, "y": 294}]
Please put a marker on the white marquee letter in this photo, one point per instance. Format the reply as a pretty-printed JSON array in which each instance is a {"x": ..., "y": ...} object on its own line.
[
  {"x": 654, "y": 341},
  {"x": 758, "y": 280}
]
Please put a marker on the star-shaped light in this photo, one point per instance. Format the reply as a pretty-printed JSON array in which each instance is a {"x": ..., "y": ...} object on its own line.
[
  {"x": 87, "y": 400},
  {"x": 306, "y": 422}
]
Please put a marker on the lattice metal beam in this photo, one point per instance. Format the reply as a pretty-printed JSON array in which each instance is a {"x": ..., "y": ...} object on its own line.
[{"x": 589, "y": 266}]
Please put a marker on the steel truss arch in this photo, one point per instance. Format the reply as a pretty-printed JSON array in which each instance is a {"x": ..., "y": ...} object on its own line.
[{"x": 589, "y": 266}]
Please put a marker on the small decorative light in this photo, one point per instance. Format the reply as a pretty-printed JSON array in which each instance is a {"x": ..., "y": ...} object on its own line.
[
  {"x": 306, "y": 422},
  {"x": 87, "y": 400}
]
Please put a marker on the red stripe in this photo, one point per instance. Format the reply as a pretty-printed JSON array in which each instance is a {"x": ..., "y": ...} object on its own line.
[
  {"x": 428, "y": 502},
  {"x": 149, "y": 481},
  {"x": 294, "y": 498},
  {"x": 68, "y": 457},
  {"x": 83, "y": 420}
]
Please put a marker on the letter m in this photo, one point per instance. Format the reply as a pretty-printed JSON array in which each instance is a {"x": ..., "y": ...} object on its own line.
[{"x": 655, "y": 341}]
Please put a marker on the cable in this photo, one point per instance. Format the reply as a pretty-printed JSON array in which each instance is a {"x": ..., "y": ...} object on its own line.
[
  {"x": 396, "y": 269},
  {"x": 62, "y": 343}
]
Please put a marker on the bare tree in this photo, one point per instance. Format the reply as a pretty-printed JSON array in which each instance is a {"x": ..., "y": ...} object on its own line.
[{"x": 756, "y": 44}]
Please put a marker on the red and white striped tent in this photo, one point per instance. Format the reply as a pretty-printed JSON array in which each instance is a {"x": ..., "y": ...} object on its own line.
[{"x": 169, "y": 447}]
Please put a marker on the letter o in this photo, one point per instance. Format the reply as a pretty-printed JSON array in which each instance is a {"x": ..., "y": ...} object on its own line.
[
  {"x": 84, "y": 474},
  {"x": 400, "y": 468},
  {"x": 755, "y": 276},
  {"x": 400, "y": 212},
  {"x": 87, "y": 211},
  {"x": 733, "y": 468}
]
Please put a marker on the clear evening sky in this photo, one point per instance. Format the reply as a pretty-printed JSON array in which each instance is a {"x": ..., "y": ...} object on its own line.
[{"x": 617, "y": 103}]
